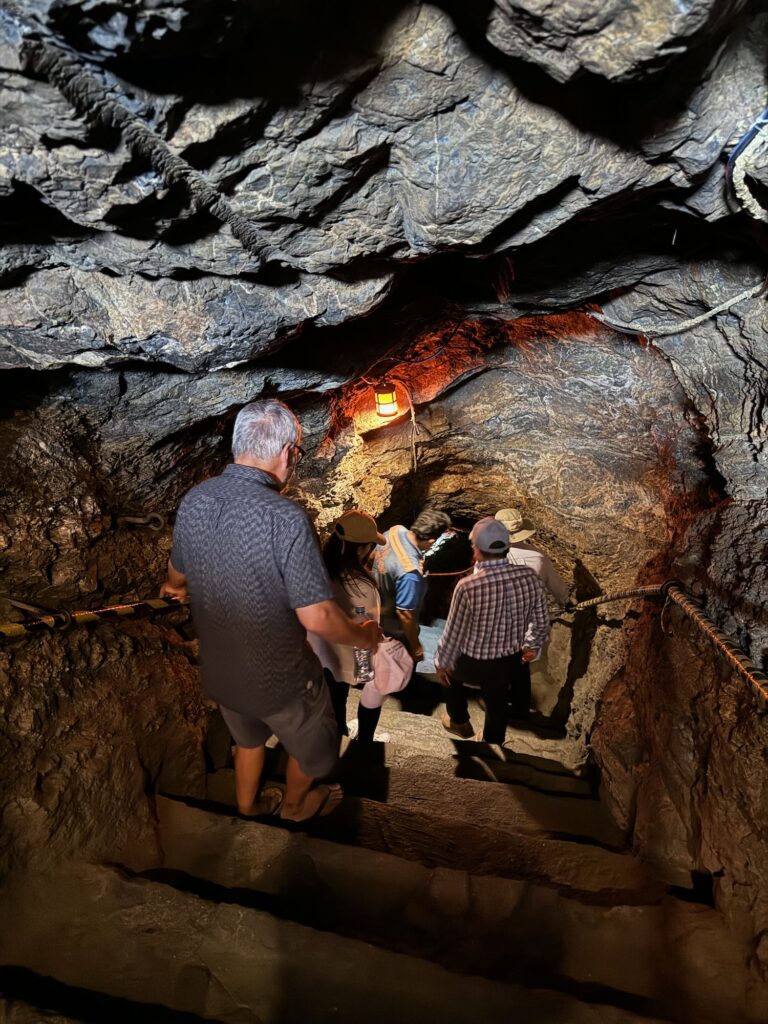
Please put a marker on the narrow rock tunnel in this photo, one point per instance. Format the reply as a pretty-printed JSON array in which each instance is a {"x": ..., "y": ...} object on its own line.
[{"x": 543, "y": 231}]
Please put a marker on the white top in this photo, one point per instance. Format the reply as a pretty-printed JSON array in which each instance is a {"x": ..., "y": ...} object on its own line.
[
  {"x": 524, "y": 554},
  {"x": 350, "y": 594}
]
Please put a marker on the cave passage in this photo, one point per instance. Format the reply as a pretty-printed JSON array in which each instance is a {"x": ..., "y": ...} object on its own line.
[{"x": 502, "y": 257}]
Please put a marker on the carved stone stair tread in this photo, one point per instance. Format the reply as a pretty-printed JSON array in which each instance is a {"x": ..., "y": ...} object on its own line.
[
  {"x": 507, "y": 808},
  {"x": 90, "y": 927},
  {"x": 468, "y": 761},
  {"x": 496, "y": 927},
  {"x": 435, "y": 841},
  {"x": 423, "y": 732}
]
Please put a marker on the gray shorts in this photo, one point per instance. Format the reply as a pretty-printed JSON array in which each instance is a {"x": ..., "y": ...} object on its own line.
[{"x": 306, "y": 728}]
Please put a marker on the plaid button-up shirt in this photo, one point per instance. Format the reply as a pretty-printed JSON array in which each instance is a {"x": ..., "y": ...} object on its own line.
[{"x": 497, "y": 611}]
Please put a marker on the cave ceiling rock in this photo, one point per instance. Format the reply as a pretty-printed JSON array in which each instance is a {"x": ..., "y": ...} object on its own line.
[
  {"x": 60, "y": 316},
  {"x": 44, "y": 145},
  {"x": 728, "y": 97},
  {"x": 161, "y": 405},
  {"x": 327, "y": 188},
  {"x": 721, "y": 363},
  {"x": 707, "y": 201},
  {"x": 218, "y": 253},
  {"x": 619, "y": 40},
  {"x": 461, "y": 141},
  {"x": 208, "y": 122},
  {"x": 147, "y": 30},
  {"x": 557, "y": 282},
  {"x": 420, "y": 149}
]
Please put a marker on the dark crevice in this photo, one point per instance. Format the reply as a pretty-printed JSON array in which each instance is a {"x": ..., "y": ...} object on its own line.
[
  {"x": 702, "y": 890},
  {"x": 27, "y": 219},
  {"x": 90, "y": 1007}
]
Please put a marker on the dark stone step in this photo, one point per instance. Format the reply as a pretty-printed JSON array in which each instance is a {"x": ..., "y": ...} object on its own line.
[
  {"x": 135, "y": 939},
  {"x": 515, "y": 809},
  {"x": 584, "y": 869},
  {"x": 475, "y": 761},
  {"x": 509, "y": 930},
  {"x": 29, "y": 998},
  {"x": 375, "y": 762}
]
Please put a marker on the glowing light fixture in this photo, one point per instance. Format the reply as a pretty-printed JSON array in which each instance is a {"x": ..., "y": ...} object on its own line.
[{"x": 386, "y": 399}]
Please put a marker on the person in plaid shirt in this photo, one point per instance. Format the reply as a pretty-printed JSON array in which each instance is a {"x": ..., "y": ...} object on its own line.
[{"x": 498, "y": 622}]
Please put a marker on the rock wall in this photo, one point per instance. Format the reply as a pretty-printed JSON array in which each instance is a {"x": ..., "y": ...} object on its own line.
[{"x": 200, "y": 206}]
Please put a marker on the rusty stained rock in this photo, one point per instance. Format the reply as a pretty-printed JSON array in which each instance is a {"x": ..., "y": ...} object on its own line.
[{"x": 683, "y": 754}]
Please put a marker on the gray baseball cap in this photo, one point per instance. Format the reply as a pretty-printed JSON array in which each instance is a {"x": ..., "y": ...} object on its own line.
[{"x": 490, "y": 536}]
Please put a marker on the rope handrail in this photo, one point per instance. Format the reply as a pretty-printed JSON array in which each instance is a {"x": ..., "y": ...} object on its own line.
[
  {"x": 47, "y": 56},
  {"x": 63, "y": 620},
  {"x": 672, "y": 590},
  {"x": 650, "y": 591},
  {"x": 662, "y": 330}
]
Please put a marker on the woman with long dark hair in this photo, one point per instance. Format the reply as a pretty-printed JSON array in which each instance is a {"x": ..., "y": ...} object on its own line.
[{"x": 346, "y": 554}]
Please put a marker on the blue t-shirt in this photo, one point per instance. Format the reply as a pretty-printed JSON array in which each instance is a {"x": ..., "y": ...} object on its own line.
[{"x": 398, "y": 567}]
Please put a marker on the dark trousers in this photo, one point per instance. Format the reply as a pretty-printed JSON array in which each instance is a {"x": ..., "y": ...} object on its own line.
[
  {"x": 367, "y": 718},
  {"x": 519, "y": 696},
  {"x": 339, "y": 693},
  {"x": 501, "y": 681}
]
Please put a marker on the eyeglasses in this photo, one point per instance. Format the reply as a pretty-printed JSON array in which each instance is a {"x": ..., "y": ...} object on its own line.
[{"x": 298, "y": 454}]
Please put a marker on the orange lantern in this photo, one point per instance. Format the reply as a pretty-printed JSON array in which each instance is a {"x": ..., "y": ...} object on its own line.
[{"x": 386, "y": 399}]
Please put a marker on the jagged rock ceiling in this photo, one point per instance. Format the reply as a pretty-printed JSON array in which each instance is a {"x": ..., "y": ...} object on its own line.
[
  {"x": 348, "y": 162},
  {"x": 355, "y": 142}
]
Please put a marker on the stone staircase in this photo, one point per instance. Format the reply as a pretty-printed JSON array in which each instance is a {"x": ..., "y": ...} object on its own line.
[{"x": 457, "y": 883}]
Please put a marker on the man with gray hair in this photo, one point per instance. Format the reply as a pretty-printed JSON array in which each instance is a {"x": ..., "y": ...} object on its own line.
[{"x": 250, "y": 562}]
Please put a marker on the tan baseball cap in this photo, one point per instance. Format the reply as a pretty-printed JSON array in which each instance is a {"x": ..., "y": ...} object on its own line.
[
  {"x": 358, "y": 528},
  {"x": 518, "y": 526}
]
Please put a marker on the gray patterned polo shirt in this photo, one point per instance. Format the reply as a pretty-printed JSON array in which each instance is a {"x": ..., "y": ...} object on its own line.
[{"x": 250, "y": 557}]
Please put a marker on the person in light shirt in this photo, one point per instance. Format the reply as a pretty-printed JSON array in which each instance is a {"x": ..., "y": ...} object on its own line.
[
  {"x": 522, "y": 553},
  {"x": 346, "y": 554}
]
